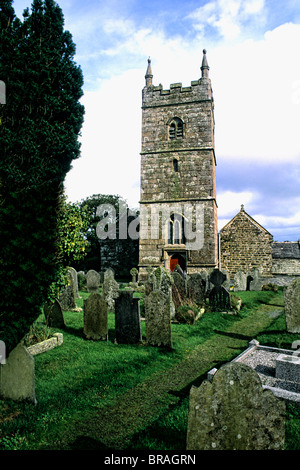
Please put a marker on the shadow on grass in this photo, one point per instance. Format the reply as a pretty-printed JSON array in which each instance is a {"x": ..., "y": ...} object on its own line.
[
  {"x": 87, "y": 443},
  {"x": 233, "y": 335}
]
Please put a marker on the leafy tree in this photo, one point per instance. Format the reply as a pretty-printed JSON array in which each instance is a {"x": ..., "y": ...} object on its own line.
[
  {"x": 73, "y": 221},
  {"x": 72, "y": 226},
  {"x": 39, "y": 128}
]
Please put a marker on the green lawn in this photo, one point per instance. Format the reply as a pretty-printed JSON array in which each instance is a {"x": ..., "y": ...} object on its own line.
[{"x": 101, "y": 395}]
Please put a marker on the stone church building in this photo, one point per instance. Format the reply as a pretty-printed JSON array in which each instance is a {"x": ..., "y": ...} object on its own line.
[
  {"x": 178, "y": 183},
  {"x": 178, "y": 206}
]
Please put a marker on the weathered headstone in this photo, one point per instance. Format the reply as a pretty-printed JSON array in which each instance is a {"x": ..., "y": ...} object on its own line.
[
  {"x": 234, "y": 412},
  {"x": 109, "y": 273},
  {"x": 178, "y": 270},
  {"x": 292, "y": 306},
  {"x": 178, "y": 289},
  {"x": 110, "y": 292},
  {"x": 75, "y": 281},
  {"x": 92, "y": 281},
  {"x": 256, "y": 283},
  {"x": 67, "y": 296},
  {"x": 219, "y": 297},
  {"x": 134, "y": 272},
  {"x": 158, "y": 319},
  {"x": 127, "y": 319},
  {"x": 54, "y": 315},
  {"x": 240, "y": 281},
  {"x": 17, "y": 376},
  {"x": 95, "y": 317},
  {"x": 196, "y": 289},
  {"x": 163, "y": 281}
]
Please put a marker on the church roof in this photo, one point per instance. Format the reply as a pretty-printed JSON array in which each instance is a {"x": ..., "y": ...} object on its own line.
[
  {"x": 290, "y": 250},
  {"x": 244, "y": 213}
]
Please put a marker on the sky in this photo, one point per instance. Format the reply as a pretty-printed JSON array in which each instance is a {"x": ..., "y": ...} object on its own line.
[{"x": 253, "y": 51}]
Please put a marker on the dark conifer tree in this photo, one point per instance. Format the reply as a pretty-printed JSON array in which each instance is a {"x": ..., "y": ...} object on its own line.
[{"x": 39, "y": 129}]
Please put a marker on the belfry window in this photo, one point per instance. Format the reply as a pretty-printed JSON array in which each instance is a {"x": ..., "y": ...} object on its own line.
[
  {"x": 176, "y": 129},
  {"x": 176, "y": 230}
]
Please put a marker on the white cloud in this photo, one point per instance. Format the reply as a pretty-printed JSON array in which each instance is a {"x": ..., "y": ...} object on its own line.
[
  {"x": 227, "y": 17},
  {"x": 110, "y": 161},
  {"x": 256, "y": 93}
]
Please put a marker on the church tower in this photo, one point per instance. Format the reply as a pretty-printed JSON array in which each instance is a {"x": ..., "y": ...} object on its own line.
[{"x": 178, "y": 221}]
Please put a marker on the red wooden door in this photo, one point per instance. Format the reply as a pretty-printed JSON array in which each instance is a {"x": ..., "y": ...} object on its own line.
[{"x": 177, "y": 259}]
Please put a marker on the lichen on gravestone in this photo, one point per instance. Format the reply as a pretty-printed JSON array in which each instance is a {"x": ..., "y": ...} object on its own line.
[{"x": 234, "y": 412}]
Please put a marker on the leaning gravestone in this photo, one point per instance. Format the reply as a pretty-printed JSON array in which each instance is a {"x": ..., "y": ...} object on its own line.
[
  {"x": 95, "y": 317},
  {"x": 17, "y": 376},
  {"x": 292, "y": 306},
  {"x": 92, "y": 281},
  {"x": 158, "y": 319},
  {"x": 219, "y": 297},
  {"x": 67, "y": 296},
  {"x": 127, "y": 319},
  {"x": 54, "y": 315},
  {"x": 234, "y": 412}
]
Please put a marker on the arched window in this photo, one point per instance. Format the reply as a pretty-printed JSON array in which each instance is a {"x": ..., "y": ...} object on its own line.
[
  {"x": 176, "y": 129},
  {"x": 175, "y": 165},
  {"x": 176, "y": 230}
]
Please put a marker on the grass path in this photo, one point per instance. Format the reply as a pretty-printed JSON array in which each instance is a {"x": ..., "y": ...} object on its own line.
[{"x": 113, "y": 427}]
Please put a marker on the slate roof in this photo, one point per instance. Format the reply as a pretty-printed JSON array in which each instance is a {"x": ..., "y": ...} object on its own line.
[{"x": 286, "y": 250}]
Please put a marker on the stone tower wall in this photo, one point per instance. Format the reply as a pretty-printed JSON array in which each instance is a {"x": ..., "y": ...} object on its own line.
[{"x": 193, "y": 182}]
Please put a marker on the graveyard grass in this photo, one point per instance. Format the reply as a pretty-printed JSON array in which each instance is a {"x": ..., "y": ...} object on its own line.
[{"x": 103, "y": 396}]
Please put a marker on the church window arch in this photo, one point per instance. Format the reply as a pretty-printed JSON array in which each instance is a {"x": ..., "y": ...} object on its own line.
[
  {"x": 176, "y": 230},
  {"x": 176, "y": 129}
]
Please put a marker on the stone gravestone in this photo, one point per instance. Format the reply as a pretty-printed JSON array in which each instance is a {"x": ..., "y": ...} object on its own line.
[
  {"x": 127, "y": 319},
  {"x": 196, "y": 289},
  {"x": 163, "y": 282},
  {"x": 256, "y": 283},
  {"x": 110, "y": 290},
  {"x": 67, "y": 296},
  {"x": 292, "y": 306},
  {"x": 234, "y": 412},
  {"x": 240, "y": 281},
  {"x": 219, "y": 297},
  {"x": 109, "y": 273},
  {"x": 92, "y": 281},
  {"x": 178, "y": 289},
  {"x": 95, "y": 317},
  {"x": 54, "y": 315},
  {"x": 17, "y": 375},
  {"x": 158, "y": 319},
  {"x": 75, "y": 281}
]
